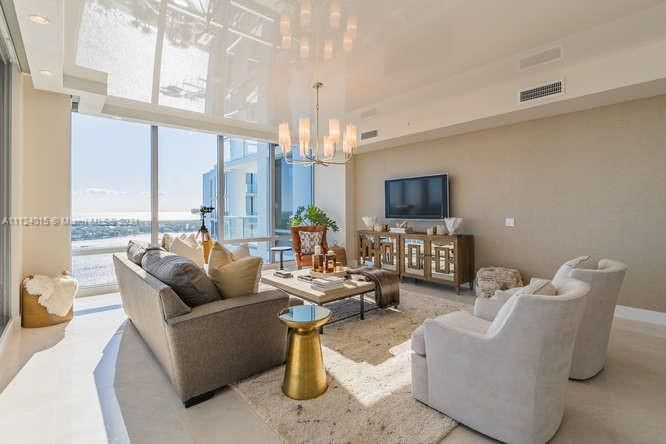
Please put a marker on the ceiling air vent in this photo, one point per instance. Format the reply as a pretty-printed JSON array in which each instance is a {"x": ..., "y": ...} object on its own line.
[
  {"x": 549, "y": 55},
  {"x": 549, "y": 89},
  {"x": 369, "y": 134}
]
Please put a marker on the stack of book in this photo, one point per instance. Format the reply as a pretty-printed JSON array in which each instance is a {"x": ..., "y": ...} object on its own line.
[{"x": 327, "y": 283}]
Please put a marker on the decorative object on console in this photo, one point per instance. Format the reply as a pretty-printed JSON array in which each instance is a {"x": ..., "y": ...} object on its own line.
[
  {"x": 401, "y": 227},
  {"x": 441, "y": 229},
  {"x": 47, "y": 301},
  {"x": 370, "y": 222},
  {"x": 452, "y": 224},
  {"x": 385, "y": 227},
  {"x": 491, "y": 279}
]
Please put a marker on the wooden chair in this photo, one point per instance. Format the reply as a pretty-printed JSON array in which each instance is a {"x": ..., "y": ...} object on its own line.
[{"x": 305, "y": 260}]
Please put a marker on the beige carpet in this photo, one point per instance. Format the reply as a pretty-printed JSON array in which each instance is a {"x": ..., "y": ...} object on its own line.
[{"x": 369, "y": 396}]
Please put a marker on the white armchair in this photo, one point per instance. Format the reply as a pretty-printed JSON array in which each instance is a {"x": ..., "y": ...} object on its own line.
[
  {"x": 506, "y": 379},
  {"x": 592, "y": 342}
]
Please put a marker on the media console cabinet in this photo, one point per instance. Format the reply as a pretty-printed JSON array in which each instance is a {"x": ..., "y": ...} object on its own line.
[{"x": 445, "y": 259}]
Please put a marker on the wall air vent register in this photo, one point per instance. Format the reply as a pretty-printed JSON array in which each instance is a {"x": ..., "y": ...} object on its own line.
[{"x": 549, "y": 89}]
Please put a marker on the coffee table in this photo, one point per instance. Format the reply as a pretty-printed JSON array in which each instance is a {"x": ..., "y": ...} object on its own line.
[
  {"x": 303, "y": 290},
  {"x": 304, "y": 376}
]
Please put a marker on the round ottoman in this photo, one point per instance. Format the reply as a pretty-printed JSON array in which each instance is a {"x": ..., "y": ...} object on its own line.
[{"x": 491, "y": 279}]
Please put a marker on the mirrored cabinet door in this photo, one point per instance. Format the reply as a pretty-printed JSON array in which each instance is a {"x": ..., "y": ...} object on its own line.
[
  {"x": 388, "y": 252},
  {"x": 414, "y": 255},
  {"x": 442, "y": 258}
]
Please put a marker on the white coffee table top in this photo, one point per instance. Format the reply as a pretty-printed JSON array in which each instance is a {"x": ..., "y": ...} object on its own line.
[{"x": 303, "y": 289}]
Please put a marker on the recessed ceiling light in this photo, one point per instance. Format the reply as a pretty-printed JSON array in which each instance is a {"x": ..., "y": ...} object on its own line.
[
  {"x": 45, "y": 72},
  {"x": 40, "y": 20}
]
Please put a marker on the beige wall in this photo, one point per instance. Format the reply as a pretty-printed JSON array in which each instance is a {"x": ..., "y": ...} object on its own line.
[
  {"x": 591, "y": 182},
  {"x": 45, "y": 179}
]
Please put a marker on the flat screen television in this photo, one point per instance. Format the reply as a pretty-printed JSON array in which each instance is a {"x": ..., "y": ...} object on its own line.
[{"x": 424, "y": 197}]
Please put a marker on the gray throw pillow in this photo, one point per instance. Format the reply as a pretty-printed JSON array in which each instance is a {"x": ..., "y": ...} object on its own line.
[
  {"x": 136, "y": 250},
  {"x": 186, "y": 278}
]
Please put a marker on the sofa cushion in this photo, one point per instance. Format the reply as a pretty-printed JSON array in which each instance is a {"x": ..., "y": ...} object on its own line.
[
  {"x": 458, "y": 319},
  {"x": 237, "y": 278},
  {"x": 185, "y": 277},
  {"x": 188, "y": 248},
  {"x": 136, "y": 250}
]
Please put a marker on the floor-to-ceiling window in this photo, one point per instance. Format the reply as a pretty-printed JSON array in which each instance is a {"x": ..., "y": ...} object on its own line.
[
  {"x": 122, "y": 171},
  {"x": 187, "y": 179},
  {"x": 293, "y": 189},
  {"x": 247, "y": 194},
  {"x": 110, "y": 193}
]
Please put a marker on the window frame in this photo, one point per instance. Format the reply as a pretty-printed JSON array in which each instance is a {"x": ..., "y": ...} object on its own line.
[{"x": 272, "y": 238}]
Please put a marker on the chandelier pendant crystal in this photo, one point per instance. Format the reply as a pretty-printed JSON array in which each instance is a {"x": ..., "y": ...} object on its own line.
[{"x": 336, "y": 148}]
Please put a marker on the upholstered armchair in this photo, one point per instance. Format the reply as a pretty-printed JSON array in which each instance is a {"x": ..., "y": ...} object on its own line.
[
  {"x": 506, "y": 378},
  {"x": 304, "y": 258},
  {"x": 592, "y": 341}
]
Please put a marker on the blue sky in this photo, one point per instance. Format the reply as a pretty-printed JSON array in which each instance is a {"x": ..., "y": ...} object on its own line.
[{"x": 111, "y": 166}]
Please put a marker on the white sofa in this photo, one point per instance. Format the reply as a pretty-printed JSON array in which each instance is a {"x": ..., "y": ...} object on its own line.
[
  {"x": 506, "y": 378},
  {"x": 592, "y": 341}
]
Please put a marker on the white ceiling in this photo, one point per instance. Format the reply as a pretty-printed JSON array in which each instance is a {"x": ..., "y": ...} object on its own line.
[{"x": 220, "y": 63}]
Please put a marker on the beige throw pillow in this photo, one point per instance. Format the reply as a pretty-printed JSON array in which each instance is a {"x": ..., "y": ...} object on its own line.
[
  {"x": 188, "y": 248},
  {"x": 236, "y": 278},
  {"x": 219, "y": 256},
  {"x": 542, "y": 287}
]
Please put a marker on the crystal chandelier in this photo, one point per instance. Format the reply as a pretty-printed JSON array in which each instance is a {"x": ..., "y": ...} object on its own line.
[{"x": 336, "y": 148}]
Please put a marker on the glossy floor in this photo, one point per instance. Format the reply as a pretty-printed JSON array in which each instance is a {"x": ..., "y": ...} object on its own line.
[{"x": 94, "y": 380}]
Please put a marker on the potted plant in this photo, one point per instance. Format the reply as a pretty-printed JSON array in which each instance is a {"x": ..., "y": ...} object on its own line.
[{"x": 312, "y": 215}]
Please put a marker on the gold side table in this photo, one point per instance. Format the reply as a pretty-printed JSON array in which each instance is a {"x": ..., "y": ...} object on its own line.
[{"x": 304, "y": 376}]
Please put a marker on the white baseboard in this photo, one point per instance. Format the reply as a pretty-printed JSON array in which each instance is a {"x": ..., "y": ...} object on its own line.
[{"x": 639, "y": 314}]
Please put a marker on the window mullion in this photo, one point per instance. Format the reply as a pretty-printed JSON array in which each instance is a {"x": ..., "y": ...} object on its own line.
[
  {"x": 220, "y": 187},
  {"x": 154, "y": 185}
]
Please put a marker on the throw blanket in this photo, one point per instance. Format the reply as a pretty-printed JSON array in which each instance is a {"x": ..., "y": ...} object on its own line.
[
  {"x": 56, "y": 294},
  {"x": 387, "y": 283}
]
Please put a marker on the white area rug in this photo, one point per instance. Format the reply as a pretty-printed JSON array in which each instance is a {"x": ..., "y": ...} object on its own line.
[{"x": 369, "y": 396}]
